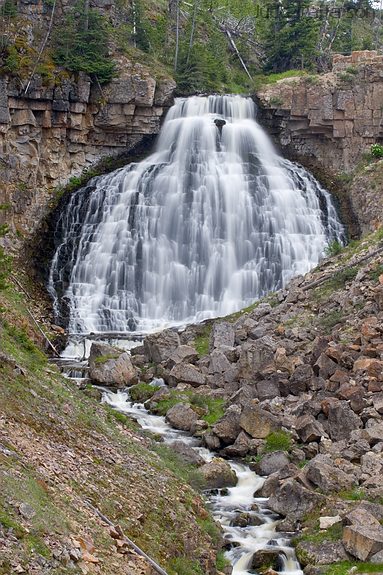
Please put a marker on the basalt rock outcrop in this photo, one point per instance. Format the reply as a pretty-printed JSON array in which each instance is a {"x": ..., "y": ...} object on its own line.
[{"x": 328, "y": 123}]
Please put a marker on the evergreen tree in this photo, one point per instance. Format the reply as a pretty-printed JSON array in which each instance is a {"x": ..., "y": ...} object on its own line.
[
  {"x": 81, "y": 43},
  {"x": 291, "y": 36}
]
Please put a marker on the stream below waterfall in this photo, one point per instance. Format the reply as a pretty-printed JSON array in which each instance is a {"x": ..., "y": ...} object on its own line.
[{"x": 225, "y": 504}]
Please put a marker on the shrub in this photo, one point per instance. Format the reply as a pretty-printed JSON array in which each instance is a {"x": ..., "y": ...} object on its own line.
[
  {"x": 278, "y": 441},
  {"x": 333, "y": 249},
  {"x": 377, "y": 150}
]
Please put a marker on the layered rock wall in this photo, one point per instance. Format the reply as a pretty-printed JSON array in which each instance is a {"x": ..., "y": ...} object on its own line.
[
  {"x": 332, "y": 118},
  {"x": 49, "y": 134}
]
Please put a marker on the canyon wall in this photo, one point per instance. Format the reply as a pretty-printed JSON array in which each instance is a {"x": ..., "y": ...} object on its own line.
[
  {"x": 328, "y": 123},
  {"x": 49, "y": 134}
]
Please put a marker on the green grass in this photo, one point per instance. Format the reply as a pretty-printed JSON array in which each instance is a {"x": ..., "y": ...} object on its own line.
[
  {"x": 333, "y": 249},
  {"x": 278, "y": 441},
  {"x": 141, "y": 392},
  {"x": 355, "y": 494},
  {"x": 333, "y": 533},
  {"x": 201, "y": 342},
  {"x": 267, "y": 79},
  {"x": 182, "y": 566},
  {"x": 221, "y": 561},
  {"x": 330, "y": 320},
  {"x": 105, "y": 358},
  {"x": 208, "y": 408},
  {"x": 376, "y": 272},
  {"x": 344, "y": 567},
  {"x": 175, "y": 463}
]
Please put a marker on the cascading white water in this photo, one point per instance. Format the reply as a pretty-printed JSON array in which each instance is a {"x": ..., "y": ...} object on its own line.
[{"x": 210, "y": 222}]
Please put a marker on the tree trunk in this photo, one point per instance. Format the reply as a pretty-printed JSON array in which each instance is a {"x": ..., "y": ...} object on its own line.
[{"x": 191, "y": 41}]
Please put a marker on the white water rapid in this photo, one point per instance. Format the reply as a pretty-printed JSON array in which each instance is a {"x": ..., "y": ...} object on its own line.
[
  {"x": 226, "y": 505},
  {"x": 211, "y": 221}
]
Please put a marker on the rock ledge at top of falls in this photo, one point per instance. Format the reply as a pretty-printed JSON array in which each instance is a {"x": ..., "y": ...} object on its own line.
[
  {"x": 327, "y": 122},
  {"x": 49, "y": 134}
]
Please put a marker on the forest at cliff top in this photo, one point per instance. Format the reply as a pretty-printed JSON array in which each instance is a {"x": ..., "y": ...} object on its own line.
[{"x": 206, "y": 45}]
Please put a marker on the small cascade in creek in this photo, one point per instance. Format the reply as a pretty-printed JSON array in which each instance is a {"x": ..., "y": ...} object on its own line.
[
  {"x": 241, "y": 542},
  {"x": 211, "y": 221}
]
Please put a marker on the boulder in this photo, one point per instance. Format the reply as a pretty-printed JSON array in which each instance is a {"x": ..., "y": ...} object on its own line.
[
  {"x": 222, "y": 334},
  {"x": 111, "y": 366},
  {"x": 159, "y": 346},
  {"x": 181, "y": 416},
  {"x": 182, "y": 354},
  {"x": 186, "y": 373},
  {"x": 189, "y": 455},
  {"x": 246, "y": 519},
  {"x": 218, "y": 474},
  {"x": 322, "y": 473},
  {"x": 300, "y": 379},
  {"x": 218, "y": 362},
  {"x": 239, "y": 448},
  {"x": 267, "y": 389},
  {"x": 363, "y": 542},
  {"x": 291, "y": 498},
  {"x": 342, "y": 420},
  {"x": 211, "y": 441},
  {"x": 362, "y": 517},
  {"x": 309, "y": 429},
  {"x": 273, "y": 482},
  {"x": 256, "y": 356},
  {"x": 323, "y": 553},
  {"x": 326, "y": 522},
  {"x": 324, "y": 366},
  {"x": 258, "y": 422},
  {"x": 271, "y": 462},
  {"x": 265, "y": 559},
  {"x": 228, "y": 427}
]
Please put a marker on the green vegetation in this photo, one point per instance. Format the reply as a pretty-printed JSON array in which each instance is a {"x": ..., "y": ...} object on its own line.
[
  {"x": 208, "y": 408},
  {"x": 180, "y": 566},
  {"x": 278, "y": 441},
  {"x": 316, "y": 535},
  {"x": 376, "y": 272},
  {"x": 81, "y": 43},
  {"x": 377, "y": 150},
  {"x": 201, "y": 342},
  {"x": 334, "y": 248},
  {"x": 100, "y": 360},
  {"x": 345, "y": 566},
  {"x": 141, "y": 392},
  {"x": 330, "y": 320},
  {"x": 182, "y": 470},
  {"x": 355, "y": 494}
]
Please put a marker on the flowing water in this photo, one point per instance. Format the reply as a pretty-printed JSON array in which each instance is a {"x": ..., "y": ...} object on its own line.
[
  {"x": 211, "y": 221},
  {"x": 226, "y": 505}
]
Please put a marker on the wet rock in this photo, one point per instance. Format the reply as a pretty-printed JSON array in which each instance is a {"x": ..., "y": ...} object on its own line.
[
  {"x": 271, "y": 463},
  {"x": 258, "y": 422},
  {"x": 246, "y": 520},
  {"x": 159, "y": 346},
  {"x": 291, "y": 498},
  {"x": 181, "y": 416},
  {"x": 187, "y": 453},
  {"x": 211, "y": 441},
  {"x": 222, "y": 334},
  {"x": 265, "y": 559},
  {"x": 228, "y": 427},
  {"x": 111, "y": 366},
  {"x": 218, "y": 474},
  {"x": 186, "y": 373}
]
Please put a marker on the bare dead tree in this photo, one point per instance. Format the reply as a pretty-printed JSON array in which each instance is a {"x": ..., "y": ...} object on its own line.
[{"x": 191, "y": 41}]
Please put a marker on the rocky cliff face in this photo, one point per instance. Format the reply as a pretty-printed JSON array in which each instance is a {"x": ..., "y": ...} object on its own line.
[
  {"x": 329, "y": 122},
  {"x": 51, "y": 133}
]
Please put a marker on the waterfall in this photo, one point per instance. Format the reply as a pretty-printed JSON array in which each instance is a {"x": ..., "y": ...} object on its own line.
[{"x": 211, "y": 221}]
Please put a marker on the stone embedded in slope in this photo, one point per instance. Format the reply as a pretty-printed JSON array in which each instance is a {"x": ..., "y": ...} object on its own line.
[
  {"x": 309, "y": 429},
  {"x": 222, "y": 334},
  {"x": 256, "y": 356},
  {"x": 228, "y": 427},
  {"x": 363, "y": 542},
  {"x": 301, "y": 379},
  {"x": 322, "y": 473},
  {"x": 292, "y": 499},
  {"x": 111, "y": 366},
  {"x": 324, "y": 553},
  {"x": 267, "y": 389},
  {"x": 186, "y": 373},
  {"x": 182, "y": 354},
  {"x": 325, "y": 367},
  {"x": 159, "y": 346},
  {"x": 189, "y": 455},
  {"x": 341, "y": 420},
  {"x": 271, "y": 463},
  {"x": 181, "y": 416},
  {"x": 258, "y": 422},
  {"x": 362, "y": 517},
  {"x": 373, "y": 367},
  {"x": 218, "y": 474}
]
